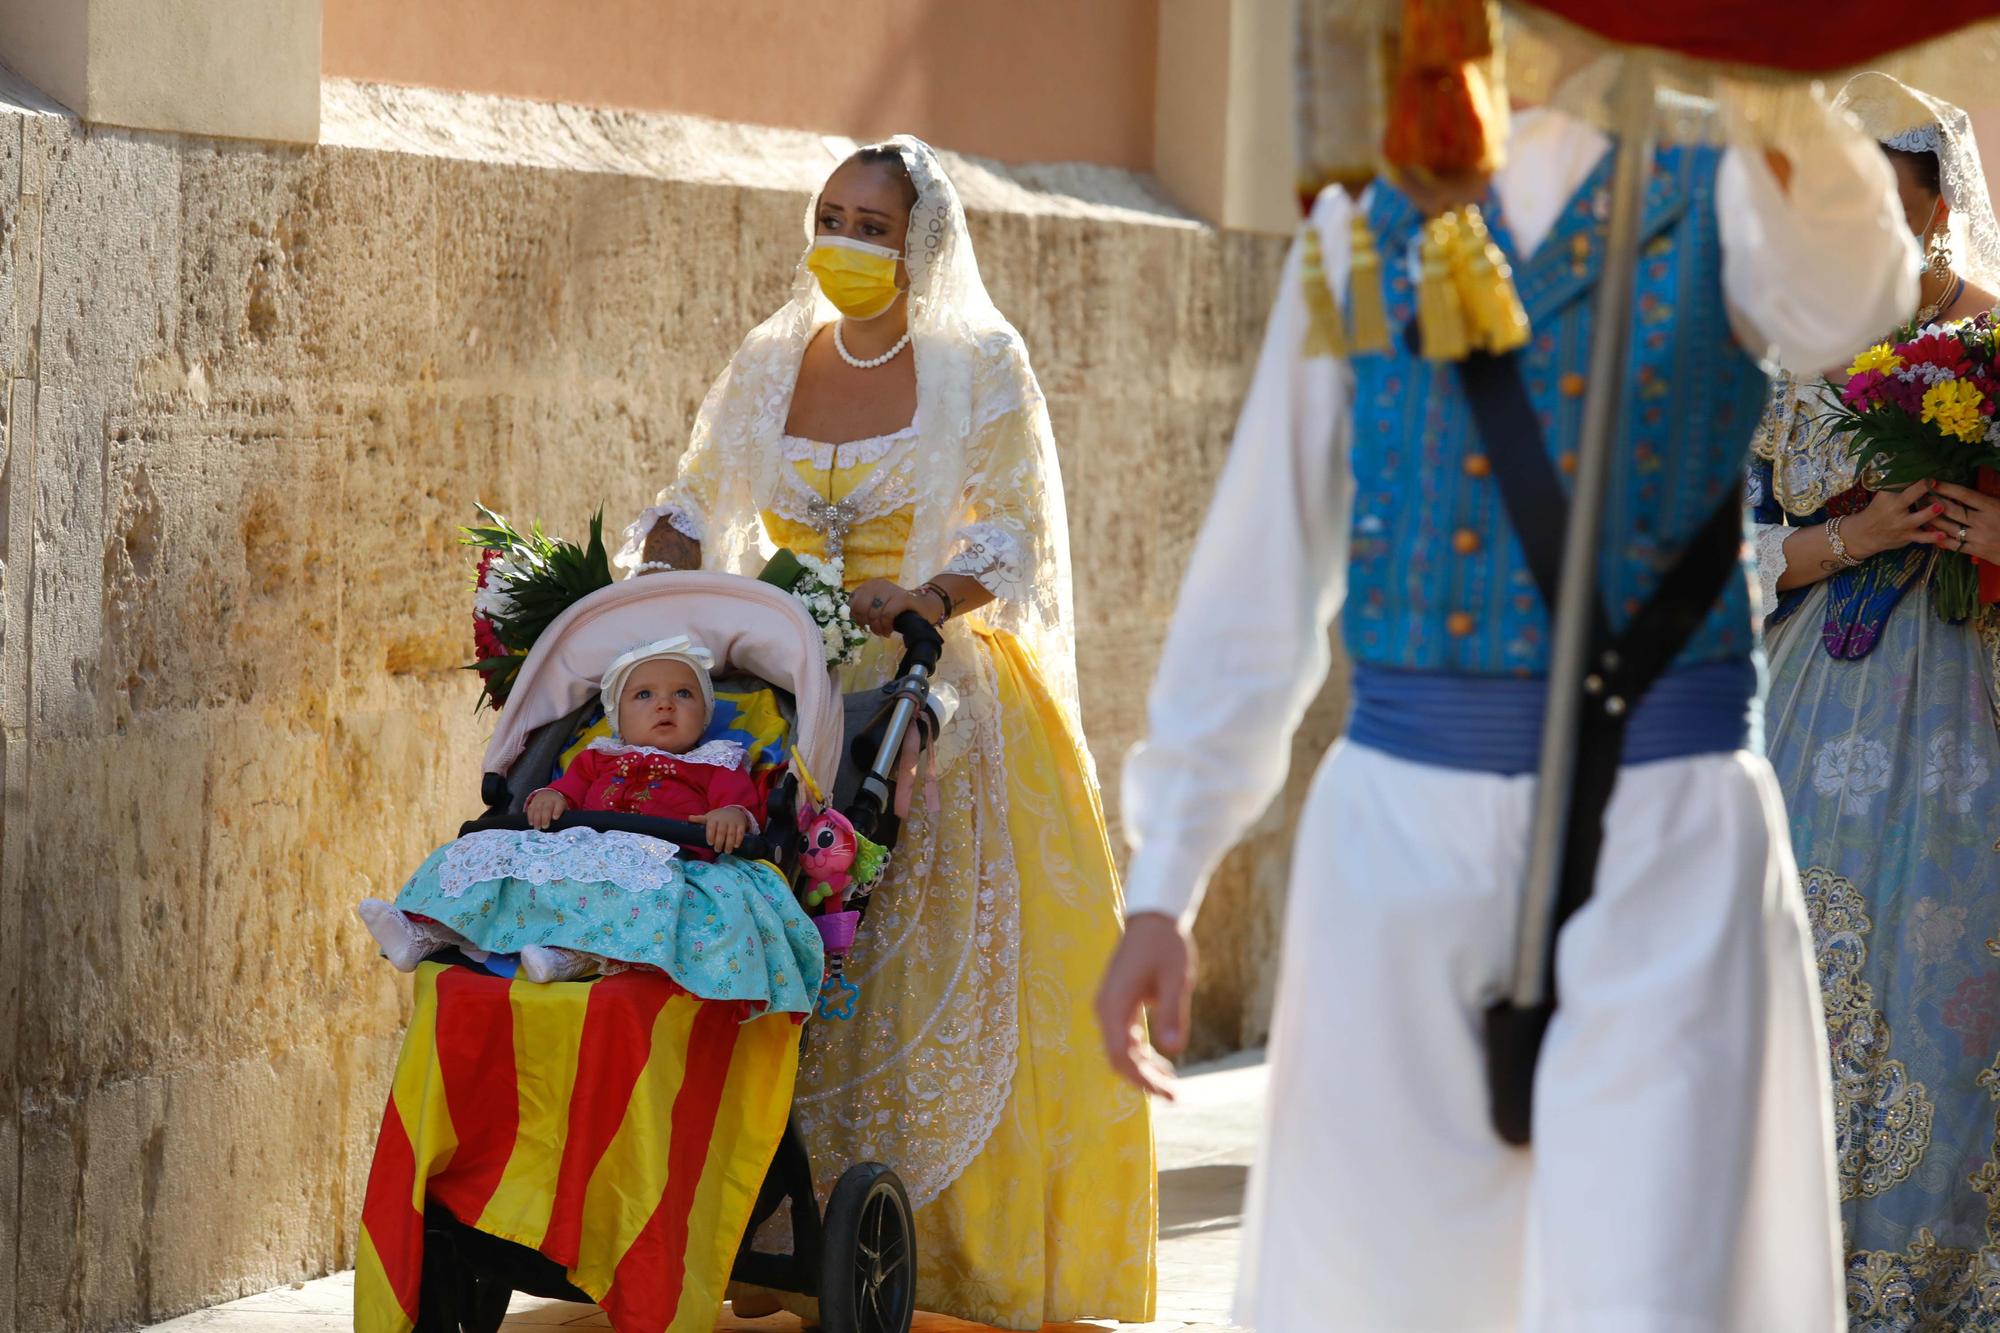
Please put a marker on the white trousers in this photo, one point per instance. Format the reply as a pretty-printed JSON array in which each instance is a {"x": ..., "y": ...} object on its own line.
[{"x": 1681, "y": 1177}]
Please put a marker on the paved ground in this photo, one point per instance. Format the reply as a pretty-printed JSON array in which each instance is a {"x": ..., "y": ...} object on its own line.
[{"x": 1205, "y": 1142}]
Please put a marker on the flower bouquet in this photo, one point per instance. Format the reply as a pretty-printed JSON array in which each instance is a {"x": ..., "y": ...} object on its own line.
[
  {"x": 818, "y": 584},
  {"x": 525, "y": 581},
  {"x": 1923, "y": 407}
]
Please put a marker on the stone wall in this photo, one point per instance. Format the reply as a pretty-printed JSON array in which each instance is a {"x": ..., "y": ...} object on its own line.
[{"x": 251, "y": 393}]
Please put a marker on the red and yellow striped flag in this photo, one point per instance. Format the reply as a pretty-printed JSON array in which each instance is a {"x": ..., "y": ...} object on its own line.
[{"x": 622, "y": 1128}]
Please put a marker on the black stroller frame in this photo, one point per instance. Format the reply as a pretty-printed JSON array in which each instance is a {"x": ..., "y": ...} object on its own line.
[{"x": 859, "y": 1257}]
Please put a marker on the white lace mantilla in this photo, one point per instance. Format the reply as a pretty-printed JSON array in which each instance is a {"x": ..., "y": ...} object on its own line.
[
  {"x": 631, "y": 861},
  {"x": 713, "y": 754},
  {"x": 981, "y": 452}
]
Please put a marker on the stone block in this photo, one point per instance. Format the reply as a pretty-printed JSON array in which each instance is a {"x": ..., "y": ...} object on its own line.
[{"x": 247, "y": 68}]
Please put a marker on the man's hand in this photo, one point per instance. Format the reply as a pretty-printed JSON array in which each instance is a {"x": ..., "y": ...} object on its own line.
[{"x": 1152, "y": 970}]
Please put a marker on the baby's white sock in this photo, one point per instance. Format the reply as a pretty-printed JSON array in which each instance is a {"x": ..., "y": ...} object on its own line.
[
  {"x": 405, "y": 942},
  {"x": 543, "y": 963}
]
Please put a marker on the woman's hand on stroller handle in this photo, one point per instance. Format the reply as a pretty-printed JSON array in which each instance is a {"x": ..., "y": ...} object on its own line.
[
  {"x": 545, "y": 807},
  {"x": 878, "y": 605}
]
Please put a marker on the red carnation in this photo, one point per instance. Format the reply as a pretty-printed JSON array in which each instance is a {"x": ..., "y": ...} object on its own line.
[
  {"x": 485, "y": 639},
  {"x": 1944, "y": 350}
]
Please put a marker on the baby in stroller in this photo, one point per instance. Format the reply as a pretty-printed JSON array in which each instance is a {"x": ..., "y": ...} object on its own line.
[{"x": 577, "y": 901}]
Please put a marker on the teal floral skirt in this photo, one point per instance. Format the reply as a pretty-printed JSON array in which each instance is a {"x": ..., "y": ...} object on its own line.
[{"x": 728, "y": 929}]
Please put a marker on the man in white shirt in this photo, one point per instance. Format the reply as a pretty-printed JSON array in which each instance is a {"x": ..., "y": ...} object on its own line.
[{"x": 1681, "y": 1174}]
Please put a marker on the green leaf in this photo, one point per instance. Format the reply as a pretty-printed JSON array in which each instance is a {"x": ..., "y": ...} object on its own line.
[{"x": 783, "y": 570}]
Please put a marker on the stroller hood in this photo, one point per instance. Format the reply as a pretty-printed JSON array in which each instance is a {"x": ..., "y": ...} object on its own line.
[{"x": 750, "y": 626}]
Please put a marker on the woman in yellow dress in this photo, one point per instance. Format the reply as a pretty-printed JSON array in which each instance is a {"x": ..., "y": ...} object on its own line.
[{"x": 887, "y": 417}]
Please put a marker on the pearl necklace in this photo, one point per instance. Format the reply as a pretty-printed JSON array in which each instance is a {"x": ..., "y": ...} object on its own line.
[{"x": 840, "y": 346}]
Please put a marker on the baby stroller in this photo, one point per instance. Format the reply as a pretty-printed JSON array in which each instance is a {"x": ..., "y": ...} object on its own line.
[{"x": 571, "y": 1165}]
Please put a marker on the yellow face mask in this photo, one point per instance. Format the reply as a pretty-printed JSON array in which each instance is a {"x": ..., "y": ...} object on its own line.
[{"x": 859, "y": 278}]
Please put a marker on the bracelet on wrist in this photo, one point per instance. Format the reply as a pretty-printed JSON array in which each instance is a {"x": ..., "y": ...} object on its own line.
[
  {"x": 1839, "y": 543},
  {"x": 944, "y": 601},
  {"x": 655, "y": 567}
]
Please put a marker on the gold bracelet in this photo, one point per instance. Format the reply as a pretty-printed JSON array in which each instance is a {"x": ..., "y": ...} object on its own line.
[{"x": 1839, "y": 545}]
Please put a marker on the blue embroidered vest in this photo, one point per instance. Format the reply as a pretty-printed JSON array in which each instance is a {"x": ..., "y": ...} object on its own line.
[{"x": 1437, "y": 580}]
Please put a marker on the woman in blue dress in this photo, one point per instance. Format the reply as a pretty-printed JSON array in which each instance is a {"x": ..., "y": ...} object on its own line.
[{"x": 1884, "y": 729}]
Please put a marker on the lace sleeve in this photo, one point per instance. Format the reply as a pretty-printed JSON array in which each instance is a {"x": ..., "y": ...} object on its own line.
[
  {"x": 1003, "y": 544},
  {"x": 679, "y": 515},
  {"x": 1770, "y": 564}
]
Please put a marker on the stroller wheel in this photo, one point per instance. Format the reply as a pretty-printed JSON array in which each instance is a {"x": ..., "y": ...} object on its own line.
[{"x": 868, "y": 1263}]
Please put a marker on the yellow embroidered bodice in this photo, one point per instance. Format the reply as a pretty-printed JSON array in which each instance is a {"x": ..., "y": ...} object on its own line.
[{"x": 873, "y": 546}]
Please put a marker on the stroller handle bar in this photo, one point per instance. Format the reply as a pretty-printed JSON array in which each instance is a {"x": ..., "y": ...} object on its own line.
[
  {"x": 756, "y": 847},
  {"x": 922, "y": 644}
]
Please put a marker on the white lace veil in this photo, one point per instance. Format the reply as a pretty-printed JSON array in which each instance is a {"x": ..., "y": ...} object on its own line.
[
  {"x": 987, "y": 477},
  {"x": 1911, "y": 120}
]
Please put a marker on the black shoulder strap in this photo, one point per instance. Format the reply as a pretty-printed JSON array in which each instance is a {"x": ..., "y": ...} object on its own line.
[{"x": 1624, "y": 667}]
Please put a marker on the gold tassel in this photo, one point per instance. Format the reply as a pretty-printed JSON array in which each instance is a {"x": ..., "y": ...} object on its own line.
[
  {"x": 1440, "y": 309},
  {"x": 1323, "y": 332},
  {"x": 1368, "y": 310},
  {"x": 1494, "y": 319}
]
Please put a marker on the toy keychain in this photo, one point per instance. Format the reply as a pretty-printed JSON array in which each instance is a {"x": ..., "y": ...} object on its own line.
[{"x": 839, "y": 863}]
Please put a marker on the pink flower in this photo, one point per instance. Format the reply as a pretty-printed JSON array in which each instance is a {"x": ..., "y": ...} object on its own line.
[{"x": 1864, "y": 390}]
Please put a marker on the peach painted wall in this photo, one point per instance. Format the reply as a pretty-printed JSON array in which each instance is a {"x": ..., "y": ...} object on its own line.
[{"x": 1018, "y": 80}]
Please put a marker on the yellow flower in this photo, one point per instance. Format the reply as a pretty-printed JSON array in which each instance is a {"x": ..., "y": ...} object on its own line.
[
  {"x": 1954, "y": 406},
  {"x": 1880, "y": 357}
]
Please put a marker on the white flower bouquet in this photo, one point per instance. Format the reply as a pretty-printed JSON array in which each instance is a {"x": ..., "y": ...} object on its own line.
[{"x": 818, "y": 584}]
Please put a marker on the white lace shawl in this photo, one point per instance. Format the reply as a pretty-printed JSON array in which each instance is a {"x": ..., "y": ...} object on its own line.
[{"x": 980, "y": 477}]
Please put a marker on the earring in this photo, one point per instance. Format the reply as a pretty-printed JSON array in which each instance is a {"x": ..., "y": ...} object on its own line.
[{"x": 1938, "y": 255}]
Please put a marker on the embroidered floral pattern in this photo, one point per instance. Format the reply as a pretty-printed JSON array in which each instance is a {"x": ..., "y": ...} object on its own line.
[
  {"x": 1809, "y": 464},
  {"x": 1954, "y": 771},
  {"x": 1913, "y": 1008},
  {"x": 1935, "y": 930},
  {"x": 1882, "y": 1120},
  {"x": 1853, "y": 766}
]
